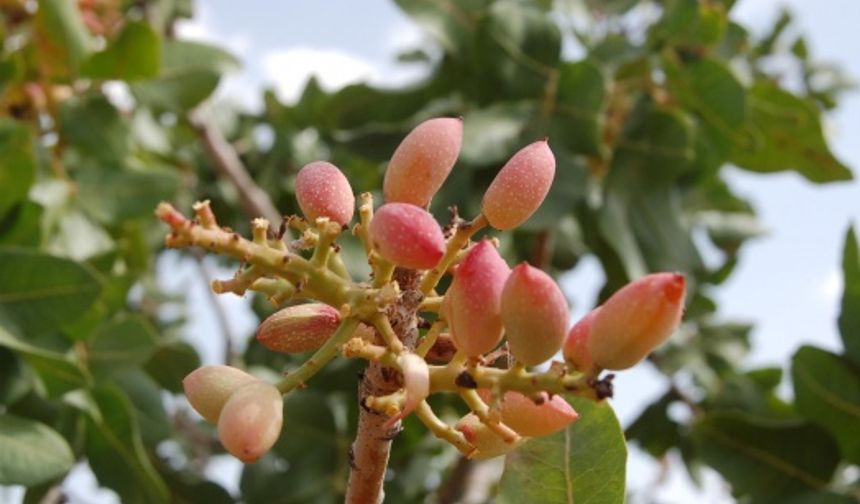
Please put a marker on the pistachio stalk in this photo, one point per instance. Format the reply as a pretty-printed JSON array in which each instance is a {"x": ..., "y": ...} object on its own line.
[{"x": 320, "y": 358}]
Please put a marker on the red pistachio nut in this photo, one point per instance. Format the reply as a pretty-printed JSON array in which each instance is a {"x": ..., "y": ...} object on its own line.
[
  {"x": 251, "y": 420},
  {"x": 535, "y": 315},
  {"x": 322, "y": 190},
  {"x": 532, "y": 418},
  {"x": 576, "y": 345},
  {"x": 520, "y": 187},
  {"x": 472, "y": 305},
  {"x": 209, "y": 387},
  {"x": 299, "y": 328},
  {"x": 407, "y": 235},
  {"x": 636, "y": 320},
  {"x": 487, "y": 443},
  {"x": 423, "y": 161}
]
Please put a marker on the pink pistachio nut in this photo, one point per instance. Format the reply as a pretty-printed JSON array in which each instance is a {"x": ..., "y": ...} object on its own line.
[
  {"x": 407, "y": 235},
  {"x": 472, "y": 304},
  {"x": 520, "y": 187},
  {"x": 322, "y": 190},
  {"x": 535, "y": 315},
  {"x": 251, "y": 421},
  {"x": 636, "y": 320},
  {"x": 423, "y": 161}
]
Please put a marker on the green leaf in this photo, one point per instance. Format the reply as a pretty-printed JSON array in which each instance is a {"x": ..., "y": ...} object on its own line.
[
  {"x": 15, "y": 378},
  {"x": 491, "y": 135},
  {"x": 114, "y": 196},
  {"x": 105, "y": 138},
  {"x": 30, "y": 452},
  {"x": 21, "y": 225},
  {"x": 827, "y": 391},
  {"x": 451, "y": 27},
  {"x": 134, "y": 55},
  {"x": 60, "y": 23},
  {"x": 653, "y": 430},
  {"x": 784, "y": 133},
  {"x": 709, "y": 87},
  {"x": 656, "y": 146},
  {"x": 821, "y": 498},
  {"x": 519, "y": 47},
  {"x": 190, "y": 72},
  {"x": 584, "y": 463},
  {"x": 849, "y": 317},
  {"x": 577, "y": 118},
  {"x": 689, "y": 23},
  {"x": 58, "y": 373},
  {"x": 145, "y": 396},
  {"x": 41, "y": 292},
  {"x": 75, "y": 236},
  {"x": 170, "y": 363},
  {"x": 766, "y": 459},
  {"x": 17, "y": 163},
  {"x": 614, "y": 226},
  {"x": 120, "y": 345},
  {"x": 309, "y": 446},
  {"x": 116, "y": 452}
]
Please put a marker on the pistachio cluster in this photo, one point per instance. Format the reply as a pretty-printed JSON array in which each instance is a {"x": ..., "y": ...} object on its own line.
[{"x": 331, "y": 313}]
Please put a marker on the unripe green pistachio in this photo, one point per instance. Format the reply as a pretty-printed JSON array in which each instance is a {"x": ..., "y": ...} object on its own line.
[{"x": 209, "y": 387}]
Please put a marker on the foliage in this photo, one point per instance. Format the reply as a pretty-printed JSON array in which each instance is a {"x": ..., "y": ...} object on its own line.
[{"x": 642, "y": 124}]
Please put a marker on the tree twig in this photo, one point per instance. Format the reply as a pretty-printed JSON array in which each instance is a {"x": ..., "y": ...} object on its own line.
[{"x": 255, "y": 201}]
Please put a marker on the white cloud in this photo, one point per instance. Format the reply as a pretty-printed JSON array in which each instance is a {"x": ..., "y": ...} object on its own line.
[
  {"x": 404, "y": 35},
  {"x": 288, "y": 70},
  {"x": 830, "y": 287}
]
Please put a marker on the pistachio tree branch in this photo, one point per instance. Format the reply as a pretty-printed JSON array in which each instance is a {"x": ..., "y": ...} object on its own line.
[
  {"x": 255, "y": 201},
  {"x": 318, "y": 281}
]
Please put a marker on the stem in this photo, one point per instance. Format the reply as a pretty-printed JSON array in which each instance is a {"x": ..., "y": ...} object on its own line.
[
  {"x": 430, "y": 338},
  {"x": 460, "y": 239},
  {"x": 320, "y": 358},
  {"x": 328, "y": 233},
  {"x": 319, "y": 282},
  {"x": 442, "y": 430},
  {"x": 372, "y": 444},
  {"x": 482, "y": 411},
  {"x": 432, "y": 304},
  {"x": 380, "y": 321}
]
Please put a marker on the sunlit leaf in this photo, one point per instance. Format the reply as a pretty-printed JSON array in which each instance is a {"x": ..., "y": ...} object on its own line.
[
  {"x": 584, "y": 463},
  {"x": 31, "y": 452}
]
